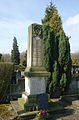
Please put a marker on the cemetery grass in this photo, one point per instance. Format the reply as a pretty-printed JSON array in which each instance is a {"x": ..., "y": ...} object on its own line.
[
  {"x": 67, "y": 112},
  {"x": 6, "y": 112}
]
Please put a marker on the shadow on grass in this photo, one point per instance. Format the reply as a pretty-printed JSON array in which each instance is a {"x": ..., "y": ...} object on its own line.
[
  {"x": 59, "y": 109},
  {"x": 64, "y": 113}
]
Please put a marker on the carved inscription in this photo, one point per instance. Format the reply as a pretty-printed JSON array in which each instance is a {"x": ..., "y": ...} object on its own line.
[{"x": 37, "y": 52}]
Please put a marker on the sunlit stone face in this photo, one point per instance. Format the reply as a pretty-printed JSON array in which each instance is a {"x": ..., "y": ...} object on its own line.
[{"x": 37, "y": 52}]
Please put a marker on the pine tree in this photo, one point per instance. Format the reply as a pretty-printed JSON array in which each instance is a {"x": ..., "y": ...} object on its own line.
[{"x": 15, "y": 55}]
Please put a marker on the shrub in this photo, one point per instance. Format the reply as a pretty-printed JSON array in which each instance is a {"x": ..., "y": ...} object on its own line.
[
  {"x": 19, "y": 67},
  {"x": 5, "y": 78}
]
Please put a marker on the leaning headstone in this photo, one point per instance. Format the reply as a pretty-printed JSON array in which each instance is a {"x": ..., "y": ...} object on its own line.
[{"x": 35, "y": 73}]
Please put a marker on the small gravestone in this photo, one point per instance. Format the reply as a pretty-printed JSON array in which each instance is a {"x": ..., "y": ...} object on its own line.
[
  {"x": 42, "y": 101},
  {"x": 18, "y": 76},
  {"x": 35, "y": 73}
]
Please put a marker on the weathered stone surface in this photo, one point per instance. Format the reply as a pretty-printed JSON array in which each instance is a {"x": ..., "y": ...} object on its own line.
[
  {"x": 37, "y": 52},
  {"x": 35, "y": 85},
  {"x": 34, "y": 53}
]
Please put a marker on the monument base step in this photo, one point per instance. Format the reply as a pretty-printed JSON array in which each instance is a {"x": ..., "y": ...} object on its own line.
[
  {"x": 21, "y": 113},
  {"x": 33, "y": 102},
  {"x": 28, "y": 102},
  {"x": 21, "y": 102},
  {"x": 18, "y": 109}
]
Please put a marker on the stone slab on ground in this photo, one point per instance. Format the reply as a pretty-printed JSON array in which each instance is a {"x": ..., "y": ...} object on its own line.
[
  {"x": 7, "y": 112},
  {"x": 17, "y": 107},
  {"x": 21, "y": 113},
  {"x": 75, "y": 103}
]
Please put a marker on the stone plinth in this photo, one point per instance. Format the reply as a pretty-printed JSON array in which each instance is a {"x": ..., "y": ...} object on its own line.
[{"x": 35, "y": 85}]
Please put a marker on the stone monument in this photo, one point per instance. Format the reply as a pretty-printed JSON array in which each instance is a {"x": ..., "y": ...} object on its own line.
[{"x": 35, "y": 84}]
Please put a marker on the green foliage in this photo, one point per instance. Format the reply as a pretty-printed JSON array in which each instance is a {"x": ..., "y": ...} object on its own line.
[
  {"x": 15, "y": 55},
  {"x": 56, "y": 50},
  {"x": 75, "y": 55},
  {"x": 54, "y": 83},
  {"x": 0, "y": 56},
  {"x": 51, "y": 27},
  {"x": 53, "y": 19},
  {"x": 19, "y": 67},
  {"x": 63, "y": 81},
  {"x": 5, "y": 78},
  {"x": 75, "y": 62},
  {"x": 48, "y": 47},
  {"x": 2, "y": 59},
  {"x": 64, "y": 59},
  {"x": 64, "y": 49}
]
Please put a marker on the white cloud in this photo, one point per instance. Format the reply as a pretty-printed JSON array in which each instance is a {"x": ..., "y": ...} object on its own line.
[
  {"x": 73, "y": 20},
  {"x": 71, "y": 27}
]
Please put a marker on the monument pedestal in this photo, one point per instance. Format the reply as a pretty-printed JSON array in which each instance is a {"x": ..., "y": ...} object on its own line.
[
  {"x": 35, "y": 89},
  {"x": 35, "y": 102},
  {"x": 35, "y": 96}
]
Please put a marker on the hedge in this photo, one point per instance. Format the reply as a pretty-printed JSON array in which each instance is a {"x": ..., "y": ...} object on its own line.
[{"x": 5, "y": 78}]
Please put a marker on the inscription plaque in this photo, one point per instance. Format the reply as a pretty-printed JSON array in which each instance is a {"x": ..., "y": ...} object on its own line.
[{"x": 37, "y": 51}]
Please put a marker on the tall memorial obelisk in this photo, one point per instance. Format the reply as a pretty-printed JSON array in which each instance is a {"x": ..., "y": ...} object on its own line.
[{"x": 35, "y": 73}]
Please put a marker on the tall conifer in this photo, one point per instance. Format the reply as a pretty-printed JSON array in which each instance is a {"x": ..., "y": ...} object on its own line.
[
  {"x": 51, "y": 27},
  {"x": 56, "y": 49},
  {"x": 64, "y": 60},
  {"x": 15, "y": 55}
]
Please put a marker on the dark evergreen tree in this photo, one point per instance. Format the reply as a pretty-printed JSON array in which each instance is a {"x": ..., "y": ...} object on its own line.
[
  {"x": 0, "y": 56},
  {"x": 51, "y": 27},
  {"x": 2, "y": 59},
  {"x": 53, "y": 19},
  {"x": 64, "y": 60},
  {"x": 48, "y": 49},
  {"x": 15, "y": 55},
  {"x": 56, "y": 49},
  {"x": 55, "y": 82}
]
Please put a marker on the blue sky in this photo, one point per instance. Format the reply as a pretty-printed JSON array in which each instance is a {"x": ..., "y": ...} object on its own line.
[{"x": 17, "y": 15}]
